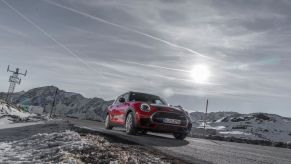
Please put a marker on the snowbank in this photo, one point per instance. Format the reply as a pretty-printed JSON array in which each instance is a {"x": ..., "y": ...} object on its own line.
[
  {"x": 5, "y": 110},
  {"x": 42, "y": 148},
  {"x": 69, "y": 147},
  {"x": 11, "y": 117},
  {"x": 255, "y": 126},
  {"x": 4, "y": 121}
]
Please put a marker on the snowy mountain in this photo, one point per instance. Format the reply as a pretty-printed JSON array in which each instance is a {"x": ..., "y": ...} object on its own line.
[
  {"x": 67, "y": 103},
  {"x": 254, "y": 126}
]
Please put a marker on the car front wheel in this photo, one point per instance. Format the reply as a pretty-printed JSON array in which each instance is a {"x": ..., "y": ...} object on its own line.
[
  {"x": 180, "y": 136},
  {"x": 144, "y": 132},
  {"x": 107, "y": 123},
  {"x": 129, "y": 124}
]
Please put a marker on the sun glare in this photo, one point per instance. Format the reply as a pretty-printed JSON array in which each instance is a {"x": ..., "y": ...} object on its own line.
[{"x": 200, "y": 73}]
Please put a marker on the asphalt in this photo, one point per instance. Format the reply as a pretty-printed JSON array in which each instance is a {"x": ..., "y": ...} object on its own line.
[{"x": 193, "y": 150}]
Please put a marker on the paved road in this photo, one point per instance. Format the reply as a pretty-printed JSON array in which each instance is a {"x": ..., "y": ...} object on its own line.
[{"x": 194, "y": 150}]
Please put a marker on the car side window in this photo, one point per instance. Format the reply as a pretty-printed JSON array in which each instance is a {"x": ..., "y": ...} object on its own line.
[
  {"x": 158, "y": 102},
  {"x": 117, "y": 100},
  {"x": 126, "y": 97},
  {"x": 131, "y": 97}
]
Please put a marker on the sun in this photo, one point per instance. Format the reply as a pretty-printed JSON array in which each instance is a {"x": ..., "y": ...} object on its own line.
[{"x": 200, "y": 73}]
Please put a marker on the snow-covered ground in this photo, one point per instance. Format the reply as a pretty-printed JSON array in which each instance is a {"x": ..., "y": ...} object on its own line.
[
  {"x": 63, "y": 145},
  {"x": 5, "y": 110},
  {"x": 255, "y": 126},
  {"x": 41, "y": 148},
  {"x": 11, "y": 116}
]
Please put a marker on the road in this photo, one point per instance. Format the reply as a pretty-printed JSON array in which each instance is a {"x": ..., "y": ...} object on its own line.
[{"x": 194, "y": 150}]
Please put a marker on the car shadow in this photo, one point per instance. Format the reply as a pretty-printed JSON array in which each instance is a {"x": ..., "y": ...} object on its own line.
[
  {"x": 118, "y": 135},
  {"x": 152, "y": 139},
  {"x": 165, "y": 141}
]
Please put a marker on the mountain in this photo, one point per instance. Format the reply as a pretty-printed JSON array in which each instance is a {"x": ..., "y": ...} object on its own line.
[
  {"x": 253, "y": 126},
  {"x": 213, "y": 116},
  {"x": 67, "y": 103}
]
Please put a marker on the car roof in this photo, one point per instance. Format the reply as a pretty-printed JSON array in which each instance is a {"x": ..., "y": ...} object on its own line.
[{"x": 141, "y": 93}]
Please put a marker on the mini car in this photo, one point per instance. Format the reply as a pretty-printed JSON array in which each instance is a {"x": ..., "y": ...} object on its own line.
[{"x": 141, "y": 112}]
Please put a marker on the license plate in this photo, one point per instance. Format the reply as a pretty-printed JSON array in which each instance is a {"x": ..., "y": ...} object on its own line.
[{"x": 172, "y": 121}]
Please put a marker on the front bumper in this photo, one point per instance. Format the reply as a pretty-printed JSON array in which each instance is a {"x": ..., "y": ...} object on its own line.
[{"x": 150, "y": 123}]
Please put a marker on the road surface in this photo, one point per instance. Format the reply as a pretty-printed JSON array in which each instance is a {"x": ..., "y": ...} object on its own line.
[{"x": 194, "y": 150}]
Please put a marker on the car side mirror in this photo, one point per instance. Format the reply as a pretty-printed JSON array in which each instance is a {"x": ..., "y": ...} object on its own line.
[{"x": 122, "y": 100}]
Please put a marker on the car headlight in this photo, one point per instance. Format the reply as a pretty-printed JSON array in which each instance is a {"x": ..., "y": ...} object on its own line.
[{"x": 145, "y": 107}]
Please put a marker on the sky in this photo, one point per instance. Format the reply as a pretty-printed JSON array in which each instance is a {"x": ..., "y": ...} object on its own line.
[{"x": 234, "y": 53}]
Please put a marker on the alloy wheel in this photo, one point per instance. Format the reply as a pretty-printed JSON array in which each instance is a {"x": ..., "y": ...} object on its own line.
[{"x": 128, "y": 123}]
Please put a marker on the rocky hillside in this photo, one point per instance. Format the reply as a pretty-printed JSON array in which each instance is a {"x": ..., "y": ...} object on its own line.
[
  {"x": 67, "y": 103},
  {"x": 254, "y": 126}
]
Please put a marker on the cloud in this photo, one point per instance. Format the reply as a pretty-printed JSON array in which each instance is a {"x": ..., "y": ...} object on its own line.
[
  {"x": 129, "y": 29},
  {"x": 104, "y": 48},
  {"x": 12, "y": 31}
]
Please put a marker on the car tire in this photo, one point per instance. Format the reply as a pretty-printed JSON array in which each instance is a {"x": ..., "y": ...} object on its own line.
[
  {"x": 143, "y": 132},
  {"x": 129, "y": 124},
  {"x": 107, "y": 123},
  {"x": 180, "y": 136}
]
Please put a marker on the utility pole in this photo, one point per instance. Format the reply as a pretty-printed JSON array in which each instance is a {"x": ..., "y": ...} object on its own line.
[
  {"x": 54, "y": 102},
  {"x": 205, "y": 117},
  {"x": 13, "y": 79}
]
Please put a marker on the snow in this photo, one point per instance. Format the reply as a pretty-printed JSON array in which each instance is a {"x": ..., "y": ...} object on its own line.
[
  {"x": 207, "y": 126},
  {"x": 4, "y": 121},
  {"x": 285, "y": 120},
  {"x": 235, "y": 133},
  {"x": 220, "y": 119},
  {"x": 218, "y": 127},
  {"x": 41, "y": 148},
  {"x": 255, "y": 126},
  {"x": 5, "y": 110},
  {"x": 70, "y": 147},
  {"x": 11, "y": 117}
]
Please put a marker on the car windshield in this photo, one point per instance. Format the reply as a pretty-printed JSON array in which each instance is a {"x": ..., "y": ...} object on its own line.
[{"x": 151, "y": 99}]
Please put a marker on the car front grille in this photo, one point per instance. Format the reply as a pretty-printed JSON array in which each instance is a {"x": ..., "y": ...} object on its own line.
[{"x": 158, "y": 117}]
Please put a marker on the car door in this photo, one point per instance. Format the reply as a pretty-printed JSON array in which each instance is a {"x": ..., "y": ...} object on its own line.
[
  {"x": 123, "y": 108},
  {"x": 117, "y": 111},
  {"x": 114, "y": 110}
]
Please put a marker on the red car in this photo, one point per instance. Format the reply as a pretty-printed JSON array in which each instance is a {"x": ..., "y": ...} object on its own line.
[{"x": 141, "y": 112}]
